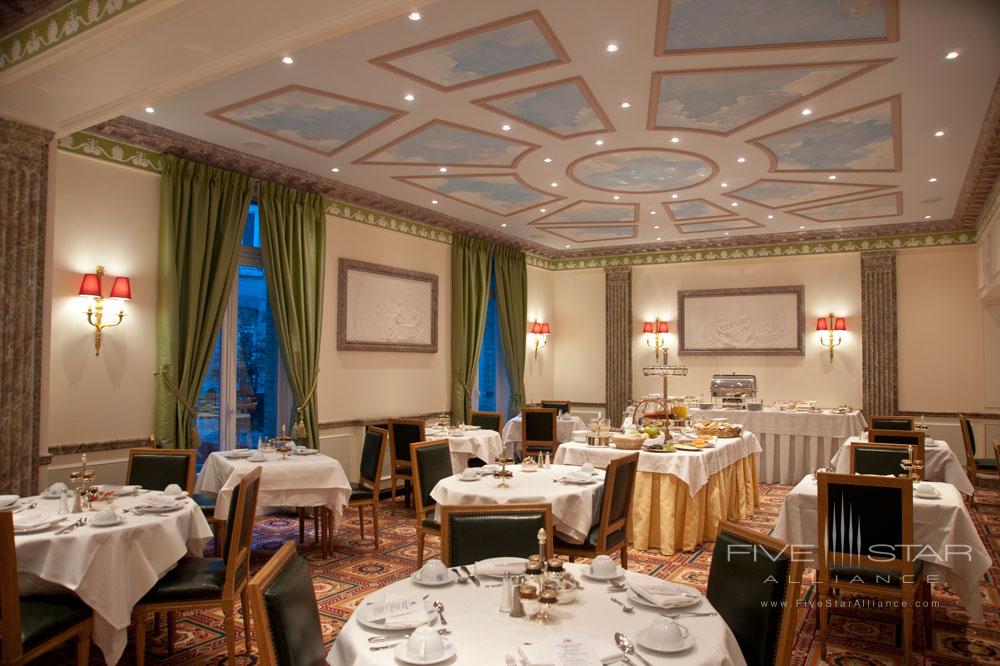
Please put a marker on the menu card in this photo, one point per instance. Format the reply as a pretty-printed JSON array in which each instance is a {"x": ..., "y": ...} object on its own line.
[
  {"x": 405, "y": 611},
  {"x": 570, "y": 652}
]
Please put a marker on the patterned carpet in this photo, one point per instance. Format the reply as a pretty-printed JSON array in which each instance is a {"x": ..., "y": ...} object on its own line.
[{"x": 857, "y": 638}]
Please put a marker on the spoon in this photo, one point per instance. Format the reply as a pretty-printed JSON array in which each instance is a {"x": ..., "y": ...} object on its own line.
[
  {"x": 379, "y": 639},
  {"x": 627, "y": 648},
  {"x": 627, "y": 608},
  {"x": 439, "y": 607}
]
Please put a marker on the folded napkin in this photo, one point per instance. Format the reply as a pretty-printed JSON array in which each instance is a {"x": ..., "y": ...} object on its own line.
[
  {"x": 398, "y": 613},
  {"x": 577, "y": 475},
  {"x": 126, "y": 490},
  {"x": 514, "y": 565},
  {"x": 23, "y": 521},
  {"x": 161, "y": 500},
  {"x": 575, "y": 650},
  {"x": 661, "y": 594}
]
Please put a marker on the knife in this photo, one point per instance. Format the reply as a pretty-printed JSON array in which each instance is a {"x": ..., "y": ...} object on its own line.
[{"x": 470, "y": 575}]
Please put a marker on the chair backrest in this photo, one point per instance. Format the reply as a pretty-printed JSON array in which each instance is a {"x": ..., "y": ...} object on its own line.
[
  {"x": 754, "y": 584},
  {"x": 283, "y": 604},
  {"x": 882, "y": 459},
  {"x": 155, "y": 469},
  {"x": 11, "y": 648},
  {"x": 619, "y": 481},
  {"x": 865, "y": 522},
  {"x": 891, "y": 423},
  {"x": 487, "y": 420},
  {"x": 239, "y": 532},
  {"x": 372, "y": 456},
  {"x": 403, "y": 433},
  {"x": 431, "y": 463},
  {"x": 471, "y": 533},
  {"x": 969, "y": 440},
  {"x": 915, "y": 437},
  {"x": 538, "y": 428},
  {"x": 558, "y": 405}
]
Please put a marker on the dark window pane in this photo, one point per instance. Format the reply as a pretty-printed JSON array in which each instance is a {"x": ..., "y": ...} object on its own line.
[
  {"x": 488, "y": 358},
  {"x": 251, "y": 232},
  {"x": 208, "y": 405},
  {"x": 257, "y": 359}
]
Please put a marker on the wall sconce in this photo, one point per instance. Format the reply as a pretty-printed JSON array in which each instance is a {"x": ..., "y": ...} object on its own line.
[
  {"x": 656, "y": 328},
  {"x": 830, "y": 324},
  {"x": 91, "y": 287},
  {"x": 539, "y": 333}
]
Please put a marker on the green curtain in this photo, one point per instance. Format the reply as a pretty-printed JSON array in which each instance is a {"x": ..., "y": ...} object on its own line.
[
  {"x": 511, "y": 274},
  {"x": 202, "y": 214},
  {"x": 470, "y": 291},
  {"x": 293, "y": 241}
]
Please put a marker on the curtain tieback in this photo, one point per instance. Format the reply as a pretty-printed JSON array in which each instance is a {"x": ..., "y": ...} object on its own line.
[
  {"x": 299, "y": 429},
  {"x": 189, "y": 410}
]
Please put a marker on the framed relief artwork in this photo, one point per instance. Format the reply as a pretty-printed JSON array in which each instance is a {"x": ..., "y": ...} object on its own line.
[
  {"x": 749, "y": 322},
  {"x": 385, "y": 309}
]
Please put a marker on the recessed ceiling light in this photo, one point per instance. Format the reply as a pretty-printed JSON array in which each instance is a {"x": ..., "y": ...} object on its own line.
[
  {"x": 541, "y": 210},
  {"x": 673, "y": 196},
  {"x": 409, "y": 97},
  {"x": 734, "y": 204},
  {"x": 656, "y": 226},
  {"x": 335, "y": 169},
  {"x": 675, "y": 139},
  {"x": 807, "y": 112},
  {"x": 725, "y": 184},
  {"x": 802, "y": 226},
  {"x": 611, "y": 47},
  {"x": 505, "y": 127},
  {"x": 414, "y": 16},
  {"x": 288, "y": 60},
  {"x": 434, "y": 201},
  {"x": 741, "y": 160},
  {"x": 726, "y": 234},
  {"x": 652, "y": 212},
  {"x": 616, "y": 197},
  {"x": 831, "y": 177},
  {"x": 625, "y": 104},
  {"x": 150, "y": 109},
  {"x": 932, "y": 180},
  {"x": 599, "y": 142},
  {"x": 553, "y": 184},
  {"x": 503, "y": 224},
  {"x": 443, "y": 169},
  {"x": 939, "y": 133},
  {"x": 567, "y": 247},
  {"x": 927, "y": 217},
  {"x": 951, "y": 55},
  {"x": 547, "y": 160},
  {"x": 770, "y": 217},
  {"x": 659, "y": 238}
]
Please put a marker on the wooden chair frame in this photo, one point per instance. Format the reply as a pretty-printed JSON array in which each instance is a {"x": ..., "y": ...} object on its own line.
[
  {"x": 789, "y": 614},
  {"x": 874, "y": 435},
  {"x": 418, "y": 499},
  {"x": 230, "y": 589},
  {"x": 909, "y": 419},
  {"x": 607, "y": 526},
  {"x": 394, "y": 473},
  {"x": 909, "y": 588},
  {"x": 551, "y": 445},
  {"x": 256, "y": 589},
  {"x": 189, "y": 453},
  {"x": 376, "y": 488},
  {"x": 918, "y": 452},
  {"x": 499, "y": 417},
  {"x": 492, "y": 509},
  {"x": 11, "y": 648},
  {"x": 971, "y": 467}
]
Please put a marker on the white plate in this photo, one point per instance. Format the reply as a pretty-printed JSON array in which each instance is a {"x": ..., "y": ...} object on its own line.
[
  {"x": 379, "y": 626},
  {"x": 403, "y": 656},
  {"x": 530, "y": 470},
  {"x": 238, "y": 453},
  {"x": 686, "y": 644},
  {"x": 494, "y": 567},
  {"x": 42, "y": 527},
  {"x": 155, "y": 508},
  {"x": 619, "y": 572},
  {"x": 307, "y": 452},
  {"x": 462, "y": 478},
  {"x": 96, "y": 524},
  {"x": 450, "y": 577},
  {"x": 473, "y": 427},
  {"x": 936, "y": 496},
  {"x": 577, "y": 482},
  {"x": 682, "y": 601},
  {"x": 8, "y": 500}
]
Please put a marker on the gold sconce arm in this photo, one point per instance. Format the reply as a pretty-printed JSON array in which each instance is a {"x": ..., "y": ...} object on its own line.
[{"x": 540, "y": 341}]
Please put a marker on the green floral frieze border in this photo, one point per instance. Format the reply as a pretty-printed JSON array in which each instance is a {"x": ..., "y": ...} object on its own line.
[
  {"x": 102, "y": 148},
  {"x": 68, "y": 21}
]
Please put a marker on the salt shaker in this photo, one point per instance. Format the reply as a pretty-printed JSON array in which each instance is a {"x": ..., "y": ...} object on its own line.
[
  {"x": 507, "y": 594},
  {"x": 63, "y": 503}
]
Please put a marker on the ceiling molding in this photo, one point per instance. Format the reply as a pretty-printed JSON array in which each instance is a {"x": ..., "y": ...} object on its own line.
[{"x": 983, "y": 176}]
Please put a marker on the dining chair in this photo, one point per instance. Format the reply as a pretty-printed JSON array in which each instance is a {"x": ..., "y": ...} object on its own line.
[
  {"x": 611, "y": 532},
  {"x": 558, "y": 405},
  {"x": 367, "y": 491},
  {"x": 538, "y": 431},
  {"x": 431, "y": 463},
  {"x": 155, "y": 469},
  {"x": 207, "y": 582},
  {"x": 403, "y": 433},
  {"x": 284, "y": 610},
  {"x": 865, "y": 524},
  {"x": 969, "y": 440},
  {"x": 913, "y": 437},
  {"x": 883, "y": 459},
  {"x": 473, "y": 533},
  {"x": 891, "y": 423},
  {"x": 762, "y": 616},
  {"x": 32, "y": 625},
  {"x": 487, "y": 420}
]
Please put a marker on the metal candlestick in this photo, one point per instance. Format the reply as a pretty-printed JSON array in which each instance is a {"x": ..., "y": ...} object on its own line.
[
  {"x": 503, "y": 473},
  {"x": 913, "y": 467},
  {"x": 81, "y": 479}
]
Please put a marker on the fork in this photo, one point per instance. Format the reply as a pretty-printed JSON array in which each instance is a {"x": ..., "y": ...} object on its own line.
[
  {"x": 689, "y": 614},
  {"x": 626, "y": 607},
  {"x": 72, "y": 526},
  {"x": 509, "y": 659}
]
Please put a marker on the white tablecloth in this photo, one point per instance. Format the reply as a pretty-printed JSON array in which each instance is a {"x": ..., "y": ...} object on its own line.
[
  {"x": 575, "y": 508},
  {"x": 693, "y": 467},
  {"x": 793, "y": 443},
  {"x": 564, "y": 428},
  {"x": 111, "y": 568},
  {"x": 313, "y": 480},
  {"x": 940, "y": 463},
  {"x": 937, "y": 524},
  {"x": 481, "y": 635},
  {"x": 483, "y": 444}
]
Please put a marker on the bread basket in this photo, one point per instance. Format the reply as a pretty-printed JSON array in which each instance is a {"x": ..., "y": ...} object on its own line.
[{"x": 629, "y": 442}]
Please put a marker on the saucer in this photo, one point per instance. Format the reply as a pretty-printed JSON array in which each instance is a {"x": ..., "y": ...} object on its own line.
[
  {"x": 468, "y": 480},
  {"x": 238, "y": 453},
  {"x": 934, "y": 494},
  {"x": 589, "y": 575},
  {"x": 529, "y": 470},
  {"x": 94, "y": 523},
  {"x": 405, "y": 657},
  {"x": 450, "y": 577},
  {"x": 8, "y": 500},
  {"x": 41, "y": 527},
  {"x": 644, "y": 641}
]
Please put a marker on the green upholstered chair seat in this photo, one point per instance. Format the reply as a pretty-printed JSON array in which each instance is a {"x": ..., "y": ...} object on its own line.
[
  {"x": 614, "y": 541},
  {"x": 404, "y": 468},
  {"x": 480, "y": 536},
  {"x": 157, "y": 471},
  {"x": 192, "y": 578},
  {"x": 44, "y": 616},
  {"x": 205, "y": 500},
  {"x": 293, "y": 617},
  {"x": 430, "y": 523},
  {"x": 359, "y": 493},
  {"x": 881, "y": 577},
  {"x": 879, "y": 461}
]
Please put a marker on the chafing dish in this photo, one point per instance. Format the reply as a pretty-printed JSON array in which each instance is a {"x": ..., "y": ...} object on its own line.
[{"x": 733, "y": 391}]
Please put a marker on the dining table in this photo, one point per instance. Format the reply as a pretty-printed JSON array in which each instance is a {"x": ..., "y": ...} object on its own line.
[
  {"x": 793, "y": 442},
  {"x": 940, "y": 463},
  {"x": 680, "y": 497},
  {"x": 943, "y": 529},
  {"x": 469, "y": 442},
  {"x": 575, "y": 507},
  {"x": 109, "y": 568},
  {"x": 479, "y": 634},
  {"x": 565, "y": 425}
]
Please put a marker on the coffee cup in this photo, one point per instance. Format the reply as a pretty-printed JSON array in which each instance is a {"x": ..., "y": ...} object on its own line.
[
  {"x": 424, "y": 643},
  {"x": 603, "y": 566},
  {"x": 587, "y": 468},
  {"x": 173, "y": 490},
  {"x": 470, "y": 473},
  {"x": 106, "y": 516},
  {"x": 665, "y": 634},
  {"x": 433, "y": 571}
]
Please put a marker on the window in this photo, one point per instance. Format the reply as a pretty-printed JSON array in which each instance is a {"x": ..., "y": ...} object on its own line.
[
  {"x": 492, "y": 393},
  {"x": 245, "y": 395}
]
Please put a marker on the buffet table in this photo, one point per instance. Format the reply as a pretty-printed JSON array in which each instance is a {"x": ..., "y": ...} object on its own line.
[
  {"x": 794, "y": 443},
  {"x": 681, "y": 497},
  {"x": 940, "y": 463}
]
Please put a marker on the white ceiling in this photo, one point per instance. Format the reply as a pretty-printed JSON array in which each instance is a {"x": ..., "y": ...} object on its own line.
[{"x": 909, "y": 78}]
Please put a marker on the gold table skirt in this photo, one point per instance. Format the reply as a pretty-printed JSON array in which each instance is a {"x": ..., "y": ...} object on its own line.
[{"x": 666, "y": 517}]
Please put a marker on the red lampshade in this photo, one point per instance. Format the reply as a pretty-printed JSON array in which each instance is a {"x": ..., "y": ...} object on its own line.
[
  {"x": 840, "y": 324},
  {"x": 121, "y": 289},
  {"x": 536, "y": 328},
  {"x": 663, "y": 328},
  {"x": 545, "y": 329},
  {"x": 822, "y": 324},
  {"x": 647, "y": 327},
  {"x": 91, "y": 285}
]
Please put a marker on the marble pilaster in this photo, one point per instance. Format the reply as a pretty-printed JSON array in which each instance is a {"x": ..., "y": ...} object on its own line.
[
  {"x": 618, "y": 356},
  {"x": 879, "y": 355}
]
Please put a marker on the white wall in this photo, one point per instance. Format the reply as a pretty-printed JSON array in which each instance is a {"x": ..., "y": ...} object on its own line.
[
  {"x": 539, "y": 371},
  {"x": 581, "y": 324}
]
